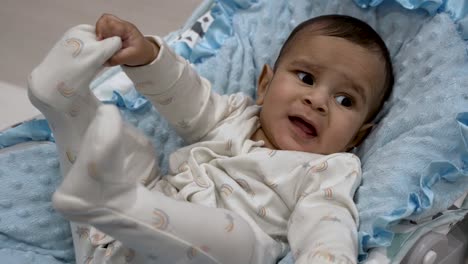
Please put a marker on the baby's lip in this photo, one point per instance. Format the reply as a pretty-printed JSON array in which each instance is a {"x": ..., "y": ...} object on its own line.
[{"x": 305, "y": 124}]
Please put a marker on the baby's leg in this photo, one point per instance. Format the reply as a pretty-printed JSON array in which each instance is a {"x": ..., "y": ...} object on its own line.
[
  {"x": 101, "y": 190},
  {"x": 59, "y": 87}
]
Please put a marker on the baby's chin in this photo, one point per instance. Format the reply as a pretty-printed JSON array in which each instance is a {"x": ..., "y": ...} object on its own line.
[
  {"x": 313, "y": 147},
  {"x": 292, "y": 145}
]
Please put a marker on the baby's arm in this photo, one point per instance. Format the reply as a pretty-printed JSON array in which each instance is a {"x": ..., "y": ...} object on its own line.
[
  {"x": 323, "y": 226},
  {"x": 183, "y": 97}
]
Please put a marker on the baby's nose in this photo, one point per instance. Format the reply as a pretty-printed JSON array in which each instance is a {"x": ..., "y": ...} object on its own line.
[{"x": 317, "y": 101}]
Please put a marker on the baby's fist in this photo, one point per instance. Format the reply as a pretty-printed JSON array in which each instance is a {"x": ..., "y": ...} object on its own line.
[{"x": 136, "y": 49}]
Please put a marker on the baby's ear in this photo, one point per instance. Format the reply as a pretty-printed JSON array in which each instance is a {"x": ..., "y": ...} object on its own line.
[
  {"x": 263, "y": 82},
  {"x": 360, "y": 135}
]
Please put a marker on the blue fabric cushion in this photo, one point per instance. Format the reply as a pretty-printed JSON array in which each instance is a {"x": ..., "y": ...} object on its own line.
[
  {"x": 414, "y": 163},
  {"x": 29, "y": 226}
]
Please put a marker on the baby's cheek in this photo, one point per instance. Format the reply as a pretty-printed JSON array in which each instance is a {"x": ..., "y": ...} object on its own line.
[{"x": 341, "y": 139}]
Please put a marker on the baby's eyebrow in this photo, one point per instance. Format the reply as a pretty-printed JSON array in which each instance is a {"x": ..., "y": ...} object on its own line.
[{"x": 303, "y": 63}]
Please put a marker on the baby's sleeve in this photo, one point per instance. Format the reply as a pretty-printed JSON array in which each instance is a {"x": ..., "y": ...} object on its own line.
[
  {"x": 324, "y": 222},
  {"x": 182, "y": 96}
]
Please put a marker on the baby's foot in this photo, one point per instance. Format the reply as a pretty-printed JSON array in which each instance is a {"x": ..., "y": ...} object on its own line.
[
  {"x": 114, "y": 159},
  {"x": 59, "y": 86},
  {"x": 69, "y": 67}
]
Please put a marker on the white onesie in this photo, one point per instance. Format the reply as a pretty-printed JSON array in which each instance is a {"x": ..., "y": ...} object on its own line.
[{"x": 290, "y": 200}]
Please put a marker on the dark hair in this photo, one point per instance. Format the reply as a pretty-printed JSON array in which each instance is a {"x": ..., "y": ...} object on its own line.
[{"x": 351, "y": 29}]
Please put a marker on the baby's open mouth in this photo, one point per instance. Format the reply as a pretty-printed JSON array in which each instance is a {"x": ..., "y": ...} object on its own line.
[{"x": 306, "y": 127}]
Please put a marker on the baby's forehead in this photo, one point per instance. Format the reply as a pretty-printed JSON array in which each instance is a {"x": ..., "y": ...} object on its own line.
[{"x": 318, "y": 50}]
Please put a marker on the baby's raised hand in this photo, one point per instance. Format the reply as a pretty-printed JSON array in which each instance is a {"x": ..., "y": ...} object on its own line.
[{"x": 136, "y": 49}]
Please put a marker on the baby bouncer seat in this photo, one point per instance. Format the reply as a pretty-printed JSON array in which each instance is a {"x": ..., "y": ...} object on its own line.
[{"x": 412, "y": 200}]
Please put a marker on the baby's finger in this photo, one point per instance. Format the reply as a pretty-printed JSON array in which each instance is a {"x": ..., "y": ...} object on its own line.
[
  {"x": 109, "y": 26},
  {"x": 119, "y": 57}
]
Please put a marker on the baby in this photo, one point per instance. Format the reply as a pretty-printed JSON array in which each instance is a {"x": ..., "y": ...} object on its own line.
[{"x": 257, "y": 179}]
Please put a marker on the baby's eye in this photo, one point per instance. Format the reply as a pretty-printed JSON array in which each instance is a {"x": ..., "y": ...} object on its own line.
[
  {"x": 345, "y": 101},
  {"x": 306, "y": 78}
]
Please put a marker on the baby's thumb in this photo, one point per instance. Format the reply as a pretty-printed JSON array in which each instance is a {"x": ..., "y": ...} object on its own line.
[{"x": 109, "y": 46}]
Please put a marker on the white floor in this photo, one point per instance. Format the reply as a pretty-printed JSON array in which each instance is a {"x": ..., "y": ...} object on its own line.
[{"x": 28, "y": 29}]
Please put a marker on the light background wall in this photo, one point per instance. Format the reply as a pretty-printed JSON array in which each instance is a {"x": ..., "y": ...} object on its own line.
[{"x": 29, "y": 28}]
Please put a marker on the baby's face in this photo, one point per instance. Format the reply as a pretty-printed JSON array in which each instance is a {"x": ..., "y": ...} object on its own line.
[{"x": 320, "y": 95}]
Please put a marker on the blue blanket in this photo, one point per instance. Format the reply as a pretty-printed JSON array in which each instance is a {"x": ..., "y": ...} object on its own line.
[{"x": 414, "y": 162}]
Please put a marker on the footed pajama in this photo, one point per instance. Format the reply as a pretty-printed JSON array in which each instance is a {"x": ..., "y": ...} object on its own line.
[{"x": 227, "y": 199}]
